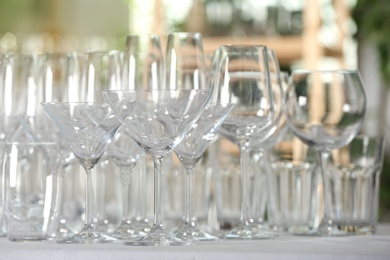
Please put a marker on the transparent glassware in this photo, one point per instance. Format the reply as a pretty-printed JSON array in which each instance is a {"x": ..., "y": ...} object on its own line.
[
  {"x": 240, "y": 74},
  {"x": 58, "y": 81},
  {"x": 32, "y": 190},
  {"x": 88, "y": 128},
  {"x": 126, "y": 153},
  {"x": 190, "y": 151},
  {"x": 185, "y": 61},
  {"x": 142, "y": 68},
  {"x": 326, "y": 110},
  {"x": 260, "y": 158},
  {"x": 100, "y": 71},
  {"x": 143, "y": 63},
  {"x": 18, "y": 77},
  {"x": 157, "y": 120}
]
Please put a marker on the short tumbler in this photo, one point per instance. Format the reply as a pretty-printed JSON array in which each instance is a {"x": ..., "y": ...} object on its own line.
[
  {"x": 354, "y": 184},
  {"x": 295, "y": 189},
  {"x": 31, "y": 190}
]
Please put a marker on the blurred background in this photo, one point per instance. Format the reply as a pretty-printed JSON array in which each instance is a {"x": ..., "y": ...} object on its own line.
[{"x": 313, "y": 34}]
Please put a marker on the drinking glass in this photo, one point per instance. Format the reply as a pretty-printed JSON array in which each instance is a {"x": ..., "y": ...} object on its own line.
[
  {"x": 157, "y": 120},
  {"x": 240, "y": 74},
  {"x": 18, "y": 79},
  {"x": 143, "y": 63},
  {"x": 294, "y": 188},
  {"x": 260, "y": 158},
  {"x": 100, "y": 71},
  {"x": 143, "y": 68},
  {"x": 126, "y": 153},
  {"x": 326, "y": 110},
  {"x": 185, "y": 61},
  {"x": 32, "y": 185},
  {"x": 354, "y": 181},
  {"x": 190, "y": 151},
  {"x": 88, "y": 128}
]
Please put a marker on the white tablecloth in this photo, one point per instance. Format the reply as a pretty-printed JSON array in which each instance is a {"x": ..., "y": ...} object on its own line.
[{"x": 283, "y": 247}]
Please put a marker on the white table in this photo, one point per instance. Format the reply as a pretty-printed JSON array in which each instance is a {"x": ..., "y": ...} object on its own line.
[{"x": 283, "y": 247}]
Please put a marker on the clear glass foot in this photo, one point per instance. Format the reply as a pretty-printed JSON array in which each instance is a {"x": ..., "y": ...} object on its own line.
[
  {"x": 88, "y": 235},
  {"x": 192, "y": 233},
  {"x": 249, "y": 231},
  {"x": 157, "y": 236},
  {"x": 131, "y": 230}
]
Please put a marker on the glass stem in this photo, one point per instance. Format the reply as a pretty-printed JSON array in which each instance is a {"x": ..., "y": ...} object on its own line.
[
  {"x": 140, "y": 208},
  {"x": 188, "y": 195},
  {"x": 126, "y": 176},
  {"x": 322, "y": 159},
  {"x": 157, "y": 222},
  {"x": 244, "y": 171},
  {"x": 88, "y": 199}
]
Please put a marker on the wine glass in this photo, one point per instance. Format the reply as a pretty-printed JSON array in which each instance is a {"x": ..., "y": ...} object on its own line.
[
  {"x": 157, "y": 120},
  {"x": 190, "y": 151},
  {"x": 143, "y": 68},
  {"x": 143, "y": 62},
  {"x": 101, "y": 71},
  {"x": 240, "y": 74},
  {"x": 185, "y": 62},
  {"x": 260, "y": 157},
  {"x": 88, "y": 128},
  {"x": 326, "y": 109},
  {"x": 126, "y": 153}
]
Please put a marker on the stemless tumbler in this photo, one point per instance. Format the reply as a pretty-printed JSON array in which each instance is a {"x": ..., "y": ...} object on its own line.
[
  {"x": 31, "y": 190},
  {"x": 354, "y": 181}
]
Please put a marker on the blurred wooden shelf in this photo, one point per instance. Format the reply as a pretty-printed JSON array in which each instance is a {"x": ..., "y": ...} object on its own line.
[{"x": 287, "y": 48}]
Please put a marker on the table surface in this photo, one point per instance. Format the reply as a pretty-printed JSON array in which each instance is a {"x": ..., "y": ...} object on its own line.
[{"x": 283, "y": 247}]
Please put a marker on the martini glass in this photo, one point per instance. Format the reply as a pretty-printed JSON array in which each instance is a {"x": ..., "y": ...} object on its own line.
[
  {"x": 157, "y": 120},
  {"x": 88, "y": 128},
  {"x": 190, "y": 151}
]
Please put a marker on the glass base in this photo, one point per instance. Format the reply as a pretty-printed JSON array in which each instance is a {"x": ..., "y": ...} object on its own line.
[
  {"x": 245, "y": 231},
  {"x": 157, "y": 236},
  {"x": 331, "y": 230},
  {"x": 303, "y": 230},
  {"x": 192, "y": 233},
  {"x": 27, "y": 238},
  {"x": 131, "y": 230},
  {"x": 64, "y": 231},
  {"x": 88, "y": 235}
]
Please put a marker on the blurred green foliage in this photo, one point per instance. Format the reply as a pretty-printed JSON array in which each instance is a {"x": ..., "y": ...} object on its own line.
[{"x": 372, "y": 18}]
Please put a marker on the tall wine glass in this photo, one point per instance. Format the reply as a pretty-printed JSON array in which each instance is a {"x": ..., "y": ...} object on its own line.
[
  {"x": 260, "y": 158},
  {"x": 100, "y": 71},
  {"x": 190, "y": 151},
  {"x": 143, "y": 63},
  {"x": 157, "y": 120},
  {"x": 240, "y": 75},
  {"x": 143, "y": 68},
  {"x": 126, "y": 153},
  {"x": 88, "y": 128},
  {"x": 185, "y": 61},
  {"x": 326, "y": 110}
]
